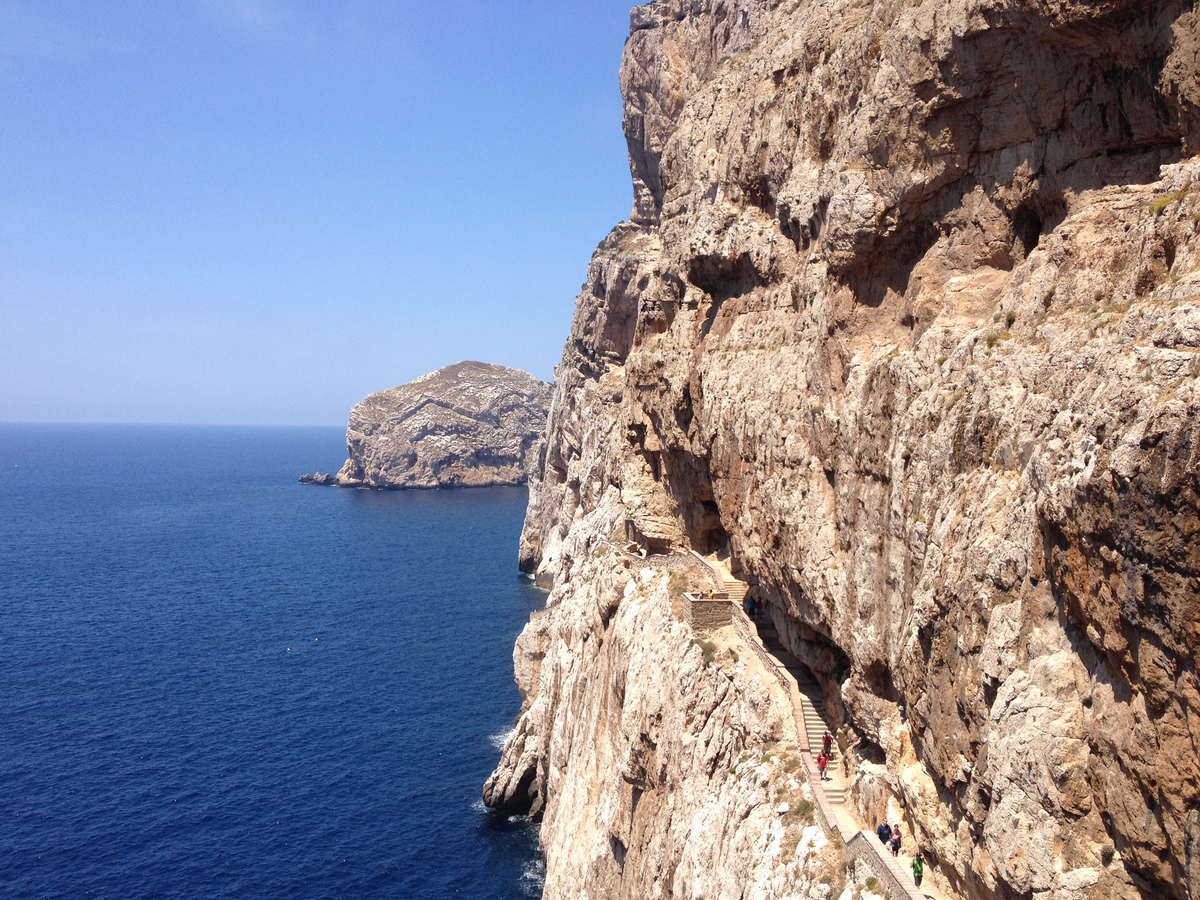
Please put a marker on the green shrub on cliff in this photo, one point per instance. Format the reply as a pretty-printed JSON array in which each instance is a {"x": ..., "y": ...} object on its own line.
[{"x": 708, "y": 649}]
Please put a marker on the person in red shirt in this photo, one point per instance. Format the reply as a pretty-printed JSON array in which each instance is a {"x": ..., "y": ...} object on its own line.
[{"x": 822, "y": 762}]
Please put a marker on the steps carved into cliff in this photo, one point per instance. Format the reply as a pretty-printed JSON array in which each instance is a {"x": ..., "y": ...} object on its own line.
[
  {"x": 727, "y": 586},
  {"x": 829, "y": 793}
]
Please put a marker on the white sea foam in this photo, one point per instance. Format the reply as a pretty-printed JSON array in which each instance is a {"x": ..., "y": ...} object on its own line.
[
  {"x": 533, "y": 877},
  {"x": 500, "y": 738},
  {"x": 532, "y": 579}
]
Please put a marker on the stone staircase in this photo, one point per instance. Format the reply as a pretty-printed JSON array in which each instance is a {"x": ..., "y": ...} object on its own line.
[
  {"x": 816, "y": 726},
  {"x": 726, "y": 584},
  {"x": 811, "y": 704},
  {"x": 835, "y": 814},
  {"x": 735, "y": 589}
]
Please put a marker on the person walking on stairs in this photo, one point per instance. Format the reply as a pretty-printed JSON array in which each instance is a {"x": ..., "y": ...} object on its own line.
[
  {"x": 885, "y": 833},
  {"x": 826, "y": 743},
  {"x": 822, "y": 762},
  {"x": 895, "y": 844},
  {"x": 918, "y": 868}
]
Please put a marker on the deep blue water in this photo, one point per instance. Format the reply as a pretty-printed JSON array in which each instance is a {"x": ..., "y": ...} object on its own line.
[{"x": 216, "y": 682}]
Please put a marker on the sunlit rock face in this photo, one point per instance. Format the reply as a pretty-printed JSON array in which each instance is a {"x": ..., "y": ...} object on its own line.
[
  {"x": 907, "y": 319},
  {"x": 658, "y": 772},
  {"x": 467, "y": 425}
]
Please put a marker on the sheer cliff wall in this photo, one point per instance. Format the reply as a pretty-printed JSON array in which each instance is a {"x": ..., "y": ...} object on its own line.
[{"x": 907, "y": 320}]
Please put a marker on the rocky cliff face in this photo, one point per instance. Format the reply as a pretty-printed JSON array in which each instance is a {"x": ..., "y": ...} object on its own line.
[
  {"x": 664, "y": 767},
  {"x": 469, "y": 424},
  {"x": 907, "y": 319}
]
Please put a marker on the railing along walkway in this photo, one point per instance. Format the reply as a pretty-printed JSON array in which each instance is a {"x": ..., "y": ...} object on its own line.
[{"x": 861, "y": 846}]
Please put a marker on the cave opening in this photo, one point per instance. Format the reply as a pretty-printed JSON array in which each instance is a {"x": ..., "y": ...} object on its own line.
[
  {"x": 878, "y": 679},
  {"x": 721, "y": 277},
  {"x": 710, "y": 535},
  {"x": 684, "y": 412},
  {"x": 1036, "y": 216},
  {"x": 618, "y": 850},
  {"x": 686, "y": 477},
  {"x": 889, "y": 268},
  {"x": 758, "y": 193},
  {"x": 870, "y": 752},
  {"x": 1027, "y": 227}
]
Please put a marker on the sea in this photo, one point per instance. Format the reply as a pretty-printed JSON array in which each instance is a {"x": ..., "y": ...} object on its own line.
[{"x": 217, "y": 682}]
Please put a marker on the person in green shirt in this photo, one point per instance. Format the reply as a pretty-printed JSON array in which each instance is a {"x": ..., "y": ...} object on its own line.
[{"x": 918, "y": 868}]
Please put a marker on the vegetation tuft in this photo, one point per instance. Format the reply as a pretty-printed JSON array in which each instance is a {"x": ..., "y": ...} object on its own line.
[
  {"x": 1159, "y": 205},
  {"x": 677, "y": 584}
]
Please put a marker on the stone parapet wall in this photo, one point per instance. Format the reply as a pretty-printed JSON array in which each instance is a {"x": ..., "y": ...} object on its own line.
[
  {"x": 745, "y": 628},
  {"x": 867, "y": 850},
  {"x": 705, "y": 615}
]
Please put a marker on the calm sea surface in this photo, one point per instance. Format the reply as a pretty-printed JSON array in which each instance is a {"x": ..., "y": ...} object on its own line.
[{"x": 216, "y": 682}]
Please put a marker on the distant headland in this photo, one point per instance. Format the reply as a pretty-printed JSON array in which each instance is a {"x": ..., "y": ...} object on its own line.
[{"x": 471, "y": 424}]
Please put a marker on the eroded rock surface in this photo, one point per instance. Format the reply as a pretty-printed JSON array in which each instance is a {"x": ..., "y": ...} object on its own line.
[
  {"x": 470, "y": 424},
  {"x": 658, "y": 772},
  {"x": 907, "y": 318}
]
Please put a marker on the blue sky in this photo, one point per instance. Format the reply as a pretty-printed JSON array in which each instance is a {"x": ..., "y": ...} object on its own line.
[{"x": 259, "y": 211}]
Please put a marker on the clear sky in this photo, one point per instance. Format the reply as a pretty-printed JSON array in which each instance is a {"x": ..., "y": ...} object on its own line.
[{"x": 259, "y": 211}]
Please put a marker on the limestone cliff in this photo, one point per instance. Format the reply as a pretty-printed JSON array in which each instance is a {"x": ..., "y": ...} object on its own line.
[
  {"x": 907, "y": 320},
  {"x": 470, "y": 424},
  {"x": 664, "y": 766}
]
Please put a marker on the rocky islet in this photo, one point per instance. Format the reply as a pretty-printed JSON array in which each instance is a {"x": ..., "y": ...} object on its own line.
[{"x": 471, "y": 424}]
